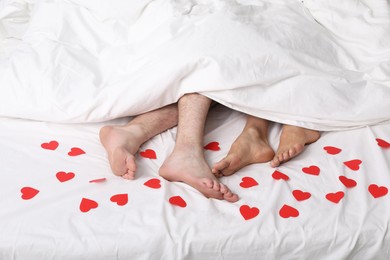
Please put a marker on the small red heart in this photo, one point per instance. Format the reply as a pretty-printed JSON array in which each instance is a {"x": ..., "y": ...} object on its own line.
[
  {"x": 277, "y": 175},
  {"x": 153, "y": 183},
  {"x": 120, "y": 199},
  {"x": 75, "y": 151},
  {"x": 52, "y": 145},
  {"x": 148, "y": 153},
  {"x": 28, "y": 193},
  {"x": 312, "y": 170},
  {"x": 213, "y": 146},
  {"x": 288, "y": 212},
  {"x": 377, "y": 191},
  {"x": 332, "y": 150},
  {"x": 301, "y": 195},
  {"x": 353, "y": 164},
  {"x": 335, "y": 197},
  {"x": 248, "y": 182},
  {"x": 249, "y": 212},
  {"x": 382, "y": 143},
  {"x": 98, "y": 180},
  {"x": 88, "y": 204},
  {"x": 177, "y": 201},
  {"x": 65, "y": 176},
  {"x": 349, "y": 183}
]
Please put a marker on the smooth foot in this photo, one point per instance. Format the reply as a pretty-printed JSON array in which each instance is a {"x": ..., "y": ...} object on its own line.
[
  {"x": 247, "y": 149},
  {"x": 188, "y": 165},
  {"x": 292, "y": 142},
  {"x": 121, "y": 144}
]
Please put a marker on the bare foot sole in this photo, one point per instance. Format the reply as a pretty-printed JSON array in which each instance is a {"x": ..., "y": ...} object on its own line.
[
  {"x": 189, "y": 166},
  {"x": 121, "y": 144},
  {"x": 248, "y": 148},
  {"x": 292, "y": 142}
]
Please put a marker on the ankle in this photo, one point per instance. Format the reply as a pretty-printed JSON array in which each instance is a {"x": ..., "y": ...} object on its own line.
[
  {"x": 189, "y": 147},
  {"x": 256, "y": 133},
  {"x": 138, "y": 132}
]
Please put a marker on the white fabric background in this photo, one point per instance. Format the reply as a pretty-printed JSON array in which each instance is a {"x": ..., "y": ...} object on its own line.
[{"x": 319, "y": 64}]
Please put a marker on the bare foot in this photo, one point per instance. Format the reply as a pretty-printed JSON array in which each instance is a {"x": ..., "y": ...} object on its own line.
[
  {"x": 188, "y": 165},
  {"x": 121, "y": 144},
  {"x": 292, "y": 142},
  {"x": 247, "y": 149}
]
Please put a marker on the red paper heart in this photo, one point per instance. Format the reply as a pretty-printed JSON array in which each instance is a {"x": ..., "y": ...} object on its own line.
[
  {"x": 312, "y": 170},
  {"x": 349, "y": 183},
  {"x": 177, "y": 201},
  {"x": 332, "y": 150},
  {"x": 248, "y": 182},
  {"x": 213, "y": 146},
  {"x": 120, "y": 199},
  {"x": 75, "y": 151},
  {"x": 382, "y": 143},
  {"x": 28, "y": 193},
  {"x": 277, "y": 175},
  {"x": 301, "y": 195},
  {"x": 98, "y": 180},
  {"x": 353, "y": 164},
  {"x": 249, "y": 212},
  {"x": 288, "y": 212},
  {"x": 148, "y": 153},
  {"x": 52, "y": 145},
  {"x": 153, "y": 183},
  {"x": 88, "y": 204},
  {"x": 335, "y": 197},
  {"x": 377, "y": 191},
  {"x": 64, "y": 176}
]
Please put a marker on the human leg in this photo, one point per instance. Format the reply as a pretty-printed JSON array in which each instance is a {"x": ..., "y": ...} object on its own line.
[
  {"x": 292, "y": 142},
  {"x": 250, "y": 147},
  {"x": 187, "y": 162},
  {"x": 123, "y": 142}
]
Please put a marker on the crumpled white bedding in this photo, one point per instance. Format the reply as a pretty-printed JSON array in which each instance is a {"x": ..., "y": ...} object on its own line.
[
  {"x": 319, "y": 64},
  {"x": 59, "y": 202}
]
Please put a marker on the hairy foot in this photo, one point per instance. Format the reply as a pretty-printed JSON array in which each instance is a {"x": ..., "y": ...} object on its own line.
[
  {"x": 292, "y": 142},
  {"x": 121, "y": 144},
  {"x": 247, "y": 149},
  {"x": 188, "y": 165}
]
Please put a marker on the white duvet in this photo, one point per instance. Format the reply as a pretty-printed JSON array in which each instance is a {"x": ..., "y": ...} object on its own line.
[{"x": 319, "y": 64}]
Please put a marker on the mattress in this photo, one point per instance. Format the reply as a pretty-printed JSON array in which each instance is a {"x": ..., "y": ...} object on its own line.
[{"x": 59, "y": 199}]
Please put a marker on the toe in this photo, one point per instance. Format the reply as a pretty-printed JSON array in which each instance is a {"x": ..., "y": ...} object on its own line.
[
  {"x": 286, "y": 156},
  {"x": 228, "y": 171},
  {"x": 231, "y": 197},
  {"x": 216, "y": 185},
  {"x": 130, "y": 163},
  {"x": 234, "y": 166},
  {"x": 223, "y": 188},
  {"x": 275, "y": 162},
  {"x": 208, "y": 183},
  {"x": 218, "y": 175},
  {"x": 128, "y": 176},
  {"x": 292, "y": 152},
  {"x": 221, "y": 165},
  {"x": 228, "y": 195}
]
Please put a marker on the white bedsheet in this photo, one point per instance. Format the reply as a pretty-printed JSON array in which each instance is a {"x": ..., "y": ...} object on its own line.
[
  {"x": 318, "y": 64},
  {"x": 56, "y": 223}
]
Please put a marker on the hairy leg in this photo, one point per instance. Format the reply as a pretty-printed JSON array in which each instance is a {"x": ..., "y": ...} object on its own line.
[
  {"x": 123, "y": 142},
  {"x": 187, "y": 162},
  {"x": 292, "y": 142},
  {"x": 250, "y": 147}
]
